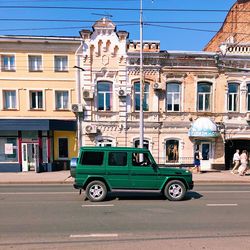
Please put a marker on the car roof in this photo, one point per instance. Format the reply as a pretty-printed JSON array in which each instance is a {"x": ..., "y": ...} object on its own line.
[{"x": 128, "y": 149}]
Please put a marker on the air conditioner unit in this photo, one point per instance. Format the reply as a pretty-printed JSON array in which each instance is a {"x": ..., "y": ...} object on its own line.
[
  {"x": 122, "y": 92},
  {"x": 76, "y": 108},
  {"x": 157, "y": 86},
  {"x": 90, "y": 129},
  {"x": 87, "y": 94}
]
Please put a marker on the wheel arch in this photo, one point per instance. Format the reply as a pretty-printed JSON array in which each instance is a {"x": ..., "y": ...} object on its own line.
[{"x": 96, "y": 178}]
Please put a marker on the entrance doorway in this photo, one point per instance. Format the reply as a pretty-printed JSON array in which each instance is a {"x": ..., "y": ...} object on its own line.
[
  {"x": 30, "y": 156},
  {"x": 230, "y": 148}
]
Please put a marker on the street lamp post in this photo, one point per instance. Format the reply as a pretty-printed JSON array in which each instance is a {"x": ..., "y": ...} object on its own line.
[
  {"x": 141, "y": 79},
  {"x": 78, "y": 89}
]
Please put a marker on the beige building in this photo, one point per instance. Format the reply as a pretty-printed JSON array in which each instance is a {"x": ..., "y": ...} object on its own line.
[
  {"x": 192, "y": 100},
  {"x": 37, "y": 88}
]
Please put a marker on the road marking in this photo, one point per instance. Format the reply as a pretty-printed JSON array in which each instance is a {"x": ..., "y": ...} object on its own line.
[
  {"x": 25, "y": 193},
  {"x": 102, "y": 205},
  {"x": 223, "y": 192},
  {"x": 92, "y": 235},
  {"x": 222, "y": 205}
]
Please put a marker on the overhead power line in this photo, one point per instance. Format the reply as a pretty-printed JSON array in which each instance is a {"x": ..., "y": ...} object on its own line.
[
  {"x": 115, "y": 21},
  {"x": 114, "y": 8}
]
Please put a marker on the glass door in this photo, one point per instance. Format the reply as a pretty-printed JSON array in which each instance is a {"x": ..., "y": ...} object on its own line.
[{"x": 205, "y": 152}]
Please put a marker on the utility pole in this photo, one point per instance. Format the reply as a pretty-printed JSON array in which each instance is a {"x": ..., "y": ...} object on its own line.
[{"x": 141, "y": 79}]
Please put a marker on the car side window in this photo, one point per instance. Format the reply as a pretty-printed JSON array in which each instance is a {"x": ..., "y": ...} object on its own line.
[
  {"x": 140, "y": 159},
  {"x": 117, "y": 159},
  {"x": 92, "y": 158}
]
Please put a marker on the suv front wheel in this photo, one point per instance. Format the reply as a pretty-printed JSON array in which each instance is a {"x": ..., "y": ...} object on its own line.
[
  {"x": 96, "y": 191},
  {"x": 175, "y": 190}
]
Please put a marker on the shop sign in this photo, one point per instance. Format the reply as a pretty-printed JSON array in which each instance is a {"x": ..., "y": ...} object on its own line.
[
  {"x": 8, "y": 148},
  {"x": 202, "y": 133}
]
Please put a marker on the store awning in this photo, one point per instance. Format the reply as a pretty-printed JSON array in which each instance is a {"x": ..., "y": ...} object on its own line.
[
  {"x": 37, "y": 124},
  {"x": 203, "y": 127}
]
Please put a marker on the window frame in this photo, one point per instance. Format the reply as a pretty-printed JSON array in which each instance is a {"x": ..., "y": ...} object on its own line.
[
  {"x": 203, "y": 95},
  {"x": 13, "y": 107},
  {"x": 38, "y": 63},
  {"x": 146, "y": 92},
  {"x": 173, "y": 94},
  {"x": 177, "y": 160},
  {"x": 61, "y": 100},
  {"x": 36, "y": 100},
  {"x": 11, "y": 66},
  {"x": 234, "y": 96},
  {"x": 62, "y": 67},
  {"x": 107, "y": 96}
]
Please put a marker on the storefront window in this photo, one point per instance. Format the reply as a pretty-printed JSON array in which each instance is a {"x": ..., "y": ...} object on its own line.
[
  {"x": 172, "y": 151},
  {"x": 8, "y": 149},
  {"x": 63, "y": 148}
]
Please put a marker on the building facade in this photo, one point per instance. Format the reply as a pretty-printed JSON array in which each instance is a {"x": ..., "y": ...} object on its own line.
[
  {"x": 60, "y": 93},
  {"x": 37, "y": 87}
]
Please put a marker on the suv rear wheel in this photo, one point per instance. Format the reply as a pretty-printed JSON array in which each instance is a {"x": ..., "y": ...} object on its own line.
[
  {"x": 175, "y": 190},
  {"x": 96, "y": 191}
]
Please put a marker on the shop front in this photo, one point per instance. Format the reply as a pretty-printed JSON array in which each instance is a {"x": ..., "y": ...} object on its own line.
[
  {"x": 203, "y": 133},
  {"x": 29, "y": 144}
]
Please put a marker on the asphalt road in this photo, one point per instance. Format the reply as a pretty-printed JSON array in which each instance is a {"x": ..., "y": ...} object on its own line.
[{"x": 55, "y": 216}]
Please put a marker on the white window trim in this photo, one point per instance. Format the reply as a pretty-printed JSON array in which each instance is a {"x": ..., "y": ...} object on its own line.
[
  {"x": 2, "y": 98},
  {"x": 8, "y": 54},
  {"x": 239, "y": 96},
  {"x": 54, "y": 99},
  {"x": 211, "y": 99},
  {"x": 35, "y": 54},
  {"x": 29, "y": 99},
  {"x": 54, "y": 62}
]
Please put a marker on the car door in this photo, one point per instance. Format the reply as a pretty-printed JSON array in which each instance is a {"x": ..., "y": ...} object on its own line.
[
  {"x": 117, "y": 170},
  {"x": 143, "y": 173}
]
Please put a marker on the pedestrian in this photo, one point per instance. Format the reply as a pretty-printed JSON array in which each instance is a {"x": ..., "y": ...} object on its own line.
[
  {"x": 236, "y": 161},
  {"x": 243, "y": 163},
  {"x": 197, "y": 161}
]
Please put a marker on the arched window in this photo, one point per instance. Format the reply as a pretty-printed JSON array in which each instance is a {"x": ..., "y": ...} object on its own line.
[
  {"x": 105, "y": 142},
  {"x": 173, "y": 96},
  {"x": 145, "y": 144},
  {"x": 104, "y": 93},
  {"x": 137, "y": 96},
  {"x": 172, "y": 151},
  {"x": 204, "y": 96},
  {"x": 233, "y": 97},
  {"x": 248, "y": 97}
]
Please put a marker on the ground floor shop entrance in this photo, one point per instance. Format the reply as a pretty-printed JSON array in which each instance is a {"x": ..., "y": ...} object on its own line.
[
  {"x": 230, "y": 148},
  {"x": 30, "y": 156}
]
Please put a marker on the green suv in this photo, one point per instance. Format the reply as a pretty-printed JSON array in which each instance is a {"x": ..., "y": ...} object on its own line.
[{"x": 99, "y": 170}]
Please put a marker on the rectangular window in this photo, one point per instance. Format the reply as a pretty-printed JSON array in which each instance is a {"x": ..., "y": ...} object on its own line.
[
  {"x": 104, "y": 94},
  {"x": 173, "y": 95},
  {"x": 36, "y": 99},
  {"x": 63, "y": 148},
  {"x": 117, "y": 159},
  {"x": 62, "y": 100},
  {"x": 8, "y": 63},
  {"x": 92, "y": 158},
  {"x": 9, "y": 99},
  {"x": 61, "y": 63},
  {"x": 8, "y": 149},
  {"x": 35, "y": 63}
]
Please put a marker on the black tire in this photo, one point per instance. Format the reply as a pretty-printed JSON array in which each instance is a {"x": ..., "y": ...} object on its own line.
[
  {"x": 96, "y": 191},
  {"x": 175, "y": 190}
]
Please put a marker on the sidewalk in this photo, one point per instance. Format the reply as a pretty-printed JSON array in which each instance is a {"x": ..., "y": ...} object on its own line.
[{"x": 63, "y": 177}]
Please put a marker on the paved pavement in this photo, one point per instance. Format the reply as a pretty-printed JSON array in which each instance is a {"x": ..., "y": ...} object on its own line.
[{"x": 63, "y": 177}]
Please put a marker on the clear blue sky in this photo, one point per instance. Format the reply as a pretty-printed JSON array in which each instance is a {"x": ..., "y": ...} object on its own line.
[{"x": 172, "y": 36}]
